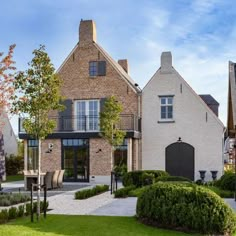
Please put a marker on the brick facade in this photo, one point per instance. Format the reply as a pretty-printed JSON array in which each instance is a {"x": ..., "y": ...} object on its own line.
[{"x": 79, "y": 85}]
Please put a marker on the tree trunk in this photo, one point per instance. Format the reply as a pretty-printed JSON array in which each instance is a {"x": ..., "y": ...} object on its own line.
[{"x": 39, "y": 180}]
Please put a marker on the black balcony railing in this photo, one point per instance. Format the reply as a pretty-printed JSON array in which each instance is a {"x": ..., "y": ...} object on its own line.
[{"x": 128, "y": 122}]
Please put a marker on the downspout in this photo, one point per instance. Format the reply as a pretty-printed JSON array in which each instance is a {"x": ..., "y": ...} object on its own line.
[
  {"x": 139, "y": 162},
  {"x": 223, "y": 144}
]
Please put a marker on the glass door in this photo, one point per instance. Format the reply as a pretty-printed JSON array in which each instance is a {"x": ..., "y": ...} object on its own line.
[
  {"x": 75, "y": 160},
  {"x": 69, "y": 174},
  {"x": 82, "y": 164}
]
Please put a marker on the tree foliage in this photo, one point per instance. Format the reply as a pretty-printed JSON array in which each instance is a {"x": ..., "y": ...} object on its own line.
[
  {"x": 39, "y": 93},
  {"x": 109, "y": 122}
]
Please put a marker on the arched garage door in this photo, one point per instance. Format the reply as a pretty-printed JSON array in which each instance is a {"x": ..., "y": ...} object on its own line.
[{"x": 180, "y": 160}]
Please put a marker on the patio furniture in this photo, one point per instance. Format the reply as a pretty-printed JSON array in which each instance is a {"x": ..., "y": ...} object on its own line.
[
  {"x": 31, "y": 176},
  {"x": 55, "y": 179},
  {"x": 48, "y": 179},
  {"x": 60, "y": 179}
]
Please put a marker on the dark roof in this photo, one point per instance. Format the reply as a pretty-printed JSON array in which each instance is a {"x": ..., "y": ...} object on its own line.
[{"x": 208, "y": 99}]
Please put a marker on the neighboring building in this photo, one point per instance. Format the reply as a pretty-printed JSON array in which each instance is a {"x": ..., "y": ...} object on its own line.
[
  {"x": 8, "y": 143},
  {"x": 180, "y": 132},
  {"x": 89, "y": 76},
  {"x": 231, "y": 118}
]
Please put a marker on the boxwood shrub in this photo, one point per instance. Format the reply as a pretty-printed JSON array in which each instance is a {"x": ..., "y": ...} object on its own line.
[
  {"x": 227, "y": 181},
  {"x": 187, "y": 207},
  {"x": 86, "y": 193},
  {"x": 172, "y": 178},
  {"x": 124, "y": 192},
  {"x": 140, "y": 178}
]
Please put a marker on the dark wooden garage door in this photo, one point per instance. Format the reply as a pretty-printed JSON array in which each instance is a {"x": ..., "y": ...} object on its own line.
[{"x": 180, "y": 160}]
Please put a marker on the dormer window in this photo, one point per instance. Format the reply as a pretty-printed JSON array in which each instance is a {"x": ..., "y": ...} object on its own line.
[{"x": 97, "y": 68}]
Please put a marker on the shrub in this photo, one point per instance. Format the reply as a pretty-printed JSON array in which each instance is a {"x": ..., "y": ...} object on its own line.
[
  {"x": 137, "y": 192},
  {"x": 3, "y": 216},
  {"x": 8, "y": 199},
  {"x": 137, "y": 178},
  {"x": 120, "y": 170},
  {"x": 147, "y": 178},
  {"x": 12, "y": 213},
  {"x": 21, "y": 210},
  {"x": 222, "y": 193},
  {"x": 124, "y": 192},
  {"x": 187, "y": 207},
  {"x": 172, "y": 178},
  {"x": 14, "y": 164},
  {"x": 227, "y": 181},
  {"x": 86, "y": 193}
]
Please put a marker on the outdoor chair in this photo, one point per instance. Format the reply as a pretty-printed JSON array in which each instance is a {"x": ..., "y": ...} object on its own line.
[
  {"x": 48, "y": 179},
  {"x": 55, "y": 179},
  {"x": 60, "y": 179}
]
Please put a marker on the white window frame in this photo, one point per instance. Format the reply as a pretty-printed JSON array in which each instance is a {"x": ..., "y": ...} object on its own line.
[
  {"x": 167, "y": 104},
  {"x": 87, "y": 115}
]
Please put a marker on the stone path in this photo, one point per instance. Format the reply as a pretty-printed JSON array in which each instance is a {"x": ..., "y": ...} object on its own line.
[{"x": 63, "y": 202}]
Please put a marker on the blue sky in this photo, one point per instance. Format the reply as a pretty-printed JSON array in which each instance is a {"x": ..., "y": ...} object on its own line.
[{"x": 201, "y": 34}]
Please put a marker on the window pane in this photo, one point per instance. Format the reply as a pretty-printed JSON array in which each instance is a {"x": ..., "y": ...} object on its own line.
[
  {"x": 170, "y": 100},
  {"x": 163, "y": 100},
  {"x": 93, "y": 68}
]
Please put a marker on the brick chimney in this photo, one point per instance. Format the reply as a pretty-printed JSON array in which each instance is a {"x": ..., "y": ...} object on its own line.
[
  {"x": 166, "y": 62},
  {"x": 124, "y": 64},
  {"x": 87, "y": 32}
]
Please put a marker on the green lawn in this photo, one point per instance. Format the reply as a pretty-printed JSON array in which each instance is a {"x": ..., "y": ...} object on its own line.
[
  {"x": 11, "y": 178},
  {"x": 82, "y": 225}
]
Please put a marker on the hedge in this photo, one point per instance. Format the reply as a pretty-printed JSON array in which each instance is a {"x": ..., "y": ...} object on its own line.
[
  {"x": 87, "y": 193},
  {"x": 227, "y": 181},
  {"x": 124, "y": 192},
  {"x": 172, "y": 178},
  {"x": 20, "y": 211},
  {"x": 187, "y": 207},
  {"x": 141, "y": 178},
  {"x": 8, "y": 199}
]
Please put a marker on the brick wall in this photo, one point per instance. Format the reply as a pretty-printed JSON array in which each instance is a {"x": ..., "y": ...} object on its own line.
[{"x": 51, "y": 161}]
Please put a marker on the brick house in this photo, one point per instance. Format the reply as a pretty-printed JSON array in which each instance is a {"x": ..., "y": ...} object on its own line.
[
  {"x": 89, "y": 76},
  {"x": 183, "y": 135}
]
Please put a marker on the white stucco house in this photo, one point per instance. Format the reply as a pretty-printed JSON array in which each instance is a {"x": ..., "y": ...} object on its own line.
[{"x": 180, "y": 132}]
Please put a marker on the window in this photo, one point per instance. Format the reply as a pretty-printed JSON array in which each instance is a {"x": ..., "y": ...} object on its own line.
[
  {"x": 97, "y": 68},
  {"x": 32, "y": 157},
  {"x": 166, "y": 108},
  {"x": 87, "y": 115}
]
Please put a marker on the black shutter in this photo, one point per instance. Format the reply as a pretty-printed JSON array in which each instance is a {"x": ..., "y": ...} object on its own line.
[
  {"x": 102, "y": 103},
  {"x": 101, "y": 68},
  {"x": 65, "y": 116}
]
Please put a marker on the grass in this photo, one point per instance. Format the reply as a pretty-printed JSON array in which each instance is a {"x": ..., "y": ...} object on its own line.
[
  {"x": 82, "y": 225},
  {"x": 12, "y": 178}
]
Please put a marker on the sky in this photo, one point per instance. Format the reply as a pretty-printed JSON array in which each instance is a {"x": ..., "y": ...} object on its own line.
[{"x": 200, "y": 34}]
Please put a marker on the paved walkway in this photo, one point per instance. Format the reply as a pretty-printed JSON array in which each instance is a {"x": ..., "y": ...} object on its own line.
[{"x": 63, "y": 202}]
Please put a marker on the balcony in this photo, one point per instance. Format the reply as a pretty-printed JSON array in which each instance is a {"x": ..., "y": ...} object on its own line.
[{"x": 87, "y": 126}]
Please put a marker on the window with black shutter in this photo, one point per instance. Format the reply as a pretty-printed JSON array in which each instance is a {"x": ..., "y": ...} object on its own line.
[{"x": 97, "y": 68}]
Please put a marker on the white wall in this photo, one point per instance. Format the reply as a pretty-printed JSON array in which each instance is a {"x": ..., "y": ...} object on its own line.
[{"x": 190, "y": 124}]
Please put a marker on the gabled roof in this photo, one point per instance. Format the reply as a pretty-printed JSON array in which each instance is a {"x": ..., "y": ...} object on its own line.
[
  {"x": 194, "y": 93},
  {"x": 208, "y": 99},
  {"x": 113, "y": 63}
]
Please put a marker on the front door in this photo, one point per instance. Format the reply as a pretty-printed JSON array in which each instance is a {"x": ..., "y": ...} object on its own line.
[
  {"x": 75, "y": 160},
  {"x": 180, "y": 160}
]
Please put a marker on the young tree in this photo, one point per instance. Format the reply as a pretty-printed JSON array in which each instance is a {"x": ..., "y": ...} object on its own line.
[
  {"x": 6, "y": 91},
  {"x": 39, "y": 93},
  {"x": 109, "y": 120}
]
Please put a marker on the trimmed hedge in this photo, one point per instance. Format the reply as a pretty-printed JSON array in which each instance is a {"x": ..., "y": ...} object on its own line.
[
  {"x": 20, "y": 211},
  {"x": 185, "y": 207},
  {"x": 87, "y": 193},
  {"x": 8, "y": 199},
  {"x": 227, "y": 181},
  {"x": 141, "y": 178},
  {"x": 172, "y": 178},
  {"x": 124, "y": 192}
]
